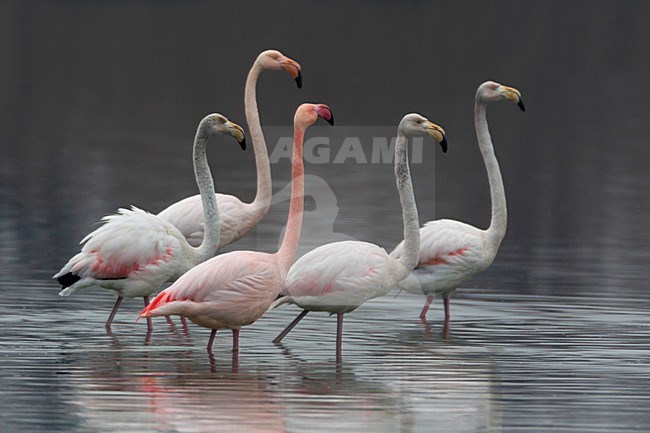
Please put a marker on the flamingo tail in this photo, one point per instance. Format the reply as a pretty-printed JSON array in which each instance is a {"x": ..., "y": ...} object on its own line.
[
  {"x": 68, "y": 279},
  {"x": 72, "y": 283},
  {"x": 281, "y": 299}
]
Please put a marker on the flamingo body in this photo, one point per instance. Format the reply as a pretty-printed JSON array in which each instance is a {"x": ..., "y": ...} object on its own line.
[
  {"x": 451, "y": 252},
  {"x": 235, "y": 218},
  {"x": 340, "y": 276},
  {"x": 133, "y": 252},
  {"x": 228, "y": 291}
]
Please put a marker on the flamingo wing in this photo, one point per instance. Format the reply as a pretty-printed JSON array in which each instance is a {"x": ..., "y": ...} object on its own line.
[
  {"x": 340, "y": 274},
  {"x": 231, "y": 289},
  {"x": 235, "y": 219},
  {"x": 450, "y": 252},
  {"x": 132, "y": 244}
]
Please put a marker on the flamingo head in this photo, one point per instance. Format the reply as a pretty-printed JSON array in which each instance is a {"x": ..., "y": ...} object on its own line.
[
  {"x": 217, "y": 124},
  {"x": 275, "y": 60},
  {"x": 307, "y": 114},
  {"x": 414, "y": 124},
  {"x": 491, "y": 91}
]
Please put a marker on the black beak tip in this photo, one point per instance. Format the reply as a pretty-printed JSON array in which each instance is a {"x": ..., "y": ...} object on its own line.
[
  {"x": 299, "y": 80},
  {"x": 521, "y": 105},
  {"x": 242, "y": 143},
  {"x": 331, "y": 119},
  {"x": 443, "y": 144}
]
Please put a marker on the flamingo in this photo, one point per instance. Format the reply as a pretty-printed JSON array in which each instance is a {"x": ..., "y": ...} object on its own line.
[
  {"x": 235, "y": 289},
  {"x": 451, "y": 251},
  {"x": 238, "y": 218},
  {"x": 338, "y": 277},
  {"x": 135, "y": 252}
]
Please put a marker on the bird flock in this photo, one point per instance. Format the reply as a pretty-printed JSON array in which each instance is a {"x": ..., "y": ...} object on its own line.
[{"x": 134, "y": 252}]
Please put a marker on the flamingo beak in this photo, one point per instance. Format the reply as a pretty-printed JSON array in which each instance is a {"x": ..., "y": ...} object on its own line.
[
  {"x": 324, "y": 112},
  {"x": 521, "y": 105},
  {"x": 299, "y": 80},
  {"x": 513, "y": 95},
  {"x": 438, "y": 134},
  {"x": 443, "y": 144},
  {"x": 330, "y": 120},
  {"x": 294, "y": 69},
  {"x": 238, "y": 133}
]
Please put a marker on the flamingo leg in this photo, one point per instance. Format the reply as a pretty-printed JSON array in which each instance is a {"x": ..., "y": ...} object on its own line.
[
  {"x": 445, "y": 299},
  {"x": 118, "y": 301},
  {"x": 288, "y": 329},
  {"x": 339, "y": 336},
  {"x": 423, "y": 313},
  {"x": 211, "y": 340},
  {"x": 149, "y": 323},
  {"x": 169, "y": 320},
  {"x": 235, "y": 340}
]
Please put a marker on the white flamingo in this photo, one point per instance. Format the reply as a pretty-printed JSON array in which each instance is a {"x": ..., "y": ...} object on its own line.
[
  {"x": 451, "y": 251},
  {"x": 134, "y": 252},
  {"x": 238, "y": 218},
  {"x": 338, "y": 277},
  {"x": 235, "y": 289}
]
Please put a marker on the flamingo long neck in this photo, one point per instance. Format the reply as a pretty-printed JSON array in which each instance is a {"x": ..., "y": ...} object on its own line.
[
  {"x": 411, "y": 254},
  {"x": 259, "y": 206},
  {"x": 499, "y": 222},
  {"x": 287, "y": 250},
  {"x": 212, "y": 235}
]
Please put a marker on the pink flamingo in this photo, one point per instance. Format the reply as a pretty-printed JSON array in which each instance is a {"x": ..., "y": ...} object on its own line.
[
  {"x": 340, "y": 276},
  {"x": 451, "y": 251},
  {"x": 135, "y": 252},
  {"x": 235, "y": 289},
  {"x": 237, "y": 218}
]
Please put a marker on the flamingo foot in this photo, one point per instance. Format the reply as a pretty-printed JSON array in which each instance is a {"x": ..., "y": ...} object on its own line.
[
  {"x": 118, "y": 301},
  {"x": 211, "y": 340},
  {"x": 288, "y": 329},
  {"x": 339, "y": 337},
  {"x": 423, "y": 313}
]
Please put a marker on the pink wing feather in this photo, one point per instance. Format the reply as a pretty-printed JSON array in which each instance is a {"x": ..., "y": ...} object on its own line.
[
  {"x": 234, "y": 289},
  {"x": 446, "y": 242},
  {"x": 129, "y": 242}
]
